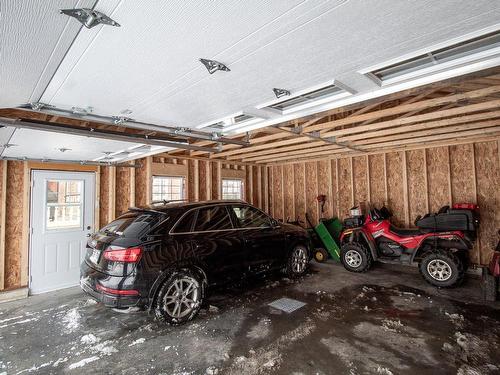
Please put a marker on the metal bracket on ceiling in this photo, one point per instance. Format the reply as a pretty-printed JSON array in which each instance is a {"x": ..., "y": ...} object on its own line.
[
  {"x": 118, "y": 120},
  {"x": 212, "y": 66},
  {"x": 296, "y": 129},
  {"x": 89, "y": 17},
  {"x": 38, "y": 106},
  {"x": 280, "y": 92}
]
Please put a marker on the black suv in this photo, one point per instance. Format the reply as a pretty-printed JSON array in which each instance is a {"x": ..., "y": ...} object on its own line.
[{"x": 164, "y": 256}]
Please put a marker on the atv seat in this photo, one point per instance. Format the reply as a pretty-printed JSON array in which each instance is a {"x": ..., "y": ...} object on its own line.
[{"x": 404, "y": 232}]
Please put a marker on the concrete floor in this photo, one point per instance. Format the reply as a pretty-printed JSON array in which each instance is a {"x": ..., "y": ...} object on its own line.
[{"x": 387, "y": 321}]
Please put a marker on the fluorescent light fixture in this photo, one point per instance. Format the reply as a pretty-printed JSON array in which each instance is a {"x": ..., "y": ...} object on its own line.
[
  {"x": 466, "y": 50},
  {"x": 310, "y": 97}
]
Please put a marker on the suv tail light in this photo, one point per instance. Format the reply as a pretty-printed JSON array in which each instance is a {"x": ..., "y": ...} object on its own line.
[{"x": 119, "y": 254}]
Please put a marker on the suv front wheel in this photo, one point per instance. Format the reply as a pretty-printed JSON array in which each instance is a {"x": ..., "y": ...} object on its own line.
[{"x": 179, "y": 298}]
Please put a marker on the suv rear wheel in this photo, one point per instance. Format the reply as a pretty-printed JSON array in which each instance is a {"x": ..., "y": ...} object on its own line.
[
  {"x": 297, "y": 261},
  {"x": 442, "y": 268},
  {"x": 179, "y": 298}
]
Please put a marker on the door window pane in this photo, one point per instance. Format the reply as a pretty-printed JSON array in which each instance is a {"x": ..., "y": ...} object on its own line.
[
  {"x": 168, "y": 188},
  {"x": 212, "y": 218},
  {"x": 185, "y": 224},
  {"x": 232, "y": 189},
  {"x": 249, "y": 217},
  {"x": 64, "y": 204}
]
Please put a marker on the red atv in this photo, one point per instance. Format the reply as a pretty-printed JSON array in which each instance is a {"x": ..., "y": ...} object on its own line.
[{"x": 440, "y": 243}]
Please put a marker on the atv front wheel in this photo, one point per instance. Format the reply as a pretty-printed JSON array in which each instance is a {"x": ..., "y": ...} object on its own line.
[
  {"x": 355, "y": 257},
  {"x": 442, "y": 268}
]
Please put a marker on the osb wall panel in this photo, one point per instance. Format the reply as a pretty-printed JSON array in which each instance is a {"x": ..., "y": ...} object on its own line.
[
  {"x": 437, "y": 172},
  {"x": 14, "y": 224},
  {"x": 215, "y": 179},
  {"x": 488, "y": 183},
  {"x": 312, "y": 191},
  {"x": 278, "y": 192},
  {"x": 122, "y": 190},
  {"x": 141, "y": 198},
  {"x": 104, "y": 193},
  {"x": 191, "y": 180},
  {"x": 255, "y": 187},
  {"x": 462, "y": 173},
  {"x": 417, "y": 189},
  {"x": 203, "y": 180},
  {"x": 299, "y": 190},
  {"x": 395, "y": 187},
  {"x": 361, "y": 179},
  {"x": 377, "y": 180},
  {"x": 345, "y": 188},
  {"x": 334, "y": 189},
  {"x": 324, "y": 184},
  {"x": 288, "y": 190}
]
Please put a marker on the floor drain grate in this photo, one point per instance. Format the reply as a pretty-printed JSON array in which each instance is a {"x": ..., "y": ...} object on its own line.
[{"x": 287, "y": 304}]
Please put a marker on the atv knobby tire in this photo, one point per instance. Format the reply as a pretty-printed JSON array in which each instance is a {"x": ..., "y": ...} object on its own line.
[
  {"x": 437, "y": 264},
  {"x": 355, "y": 257}
]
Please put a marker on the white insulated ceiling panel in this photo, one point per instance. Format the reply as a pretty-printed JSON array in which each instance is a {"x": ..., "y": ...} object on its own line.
[
  {"x": 34, "y": 144},
  {"x": 34, "y": 38},
  {"x": 150, "y": 64}
]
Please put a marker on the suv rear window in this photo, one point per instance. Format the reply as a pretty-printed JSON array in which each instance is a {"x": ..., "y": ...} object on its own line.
[{"x": 131, "y": 224}]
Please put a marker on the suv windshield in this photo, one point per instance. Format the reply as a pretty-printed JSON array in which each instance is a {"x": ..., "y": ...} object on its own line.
[{"x": 131, "y": 224}]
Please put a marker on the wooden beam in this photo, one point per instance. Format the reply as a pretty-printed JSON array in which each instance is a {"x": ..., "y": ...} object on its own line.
[
  {"x": 405, "y": 190},
  {"x": 111, "y": 193},
  {"x": 422, "y": 126},
  {"x": 391, "y": 143},
  {"x": 438, "y": 143},
  {"x": 3, "y": 215},
  {"x": 24, "y": 258},
  {"x": 132, "y": 187},
  {"x": 426, "y": 182},
  {"x": 196, "y": 182},
  {"x": 266, "y": 189},
  {"x": 494, "y": 104},
  {"x": 149, "y": 179},
  {"x": 424, "y": 104},
  {"x": 259, "y": 187}
]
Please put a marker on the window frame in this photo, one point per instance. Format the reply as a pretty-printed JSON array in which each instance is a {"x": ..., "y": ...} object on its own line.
[
  {"x": 197, "y": 209},
  {"x": 242, "y": 185},
  {"x": 183, "y": 188},
  {"x": 235, "y": 219}
]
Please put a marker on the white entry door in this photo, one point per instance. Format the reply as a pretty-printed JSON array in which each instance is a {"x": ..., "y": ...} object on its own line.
[{"x": 62, "y": 214}]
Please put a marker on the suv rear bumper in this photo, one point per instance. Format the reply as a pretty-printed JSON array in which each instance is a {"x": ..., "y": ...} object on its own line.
[{"x": 89, "y": 278}]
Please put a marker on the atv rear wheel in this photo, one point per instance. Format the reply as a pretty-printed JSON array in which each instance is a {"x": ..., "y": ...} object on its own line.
[
  {"x": 321, "y": 255},
  {"x": 442, "y": 268},
  {"x": 355, "y": 257}
]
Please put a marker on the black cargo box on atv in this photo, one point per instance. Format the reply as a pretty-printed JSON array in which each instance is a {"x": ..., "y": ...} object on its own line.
[{"x": 450, "y": 219}]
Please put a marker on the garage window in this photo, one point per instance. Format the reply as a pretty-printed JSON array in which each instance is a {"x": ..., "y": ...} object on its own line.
[
  {"x": 232, "y": 189},
  {"x": 168, "y": 188}
]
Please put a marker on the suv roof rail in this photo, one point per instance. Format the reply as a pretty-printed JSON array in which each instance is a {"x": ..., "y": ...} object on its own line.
[{"x": 164, "y": 201}]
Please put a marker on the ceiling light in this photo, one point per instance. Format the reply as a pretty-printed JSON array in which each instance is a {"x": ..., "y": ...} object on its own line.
[
  {"x": 212, "y": 66},
  {"x": 89, "y": 17},
  {"x": 281, "y": 92}
]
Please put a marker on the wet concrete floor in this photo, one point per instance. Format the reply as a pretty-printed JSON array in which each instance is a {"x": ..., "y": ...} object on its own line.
[{"x": 386, "y": 321}]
